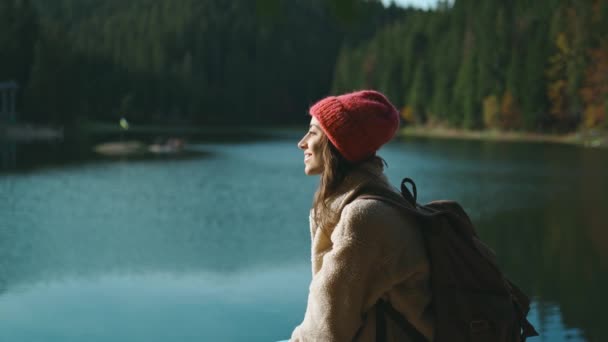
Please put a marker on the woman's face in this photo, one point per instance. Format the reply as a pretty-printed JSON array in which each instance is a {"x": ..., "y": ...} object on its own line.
[{"x": 311, "y": 145}]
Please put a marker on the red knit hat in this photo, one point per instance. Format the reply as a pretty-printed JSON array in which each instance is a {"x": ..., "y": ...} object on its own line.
[{"x": 357, "y": 124}]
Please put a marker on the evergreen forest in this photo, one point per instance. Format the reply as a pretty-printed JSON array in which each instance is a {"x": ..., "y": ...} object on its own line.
[{"x": 537, "y": 66}]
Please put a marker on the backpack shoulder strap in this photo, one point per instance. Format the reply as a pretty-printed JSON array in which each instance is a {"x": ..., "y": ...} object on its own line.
[
  {"x": 419, "y": 211},
  {"x": 384, "y": 308}
]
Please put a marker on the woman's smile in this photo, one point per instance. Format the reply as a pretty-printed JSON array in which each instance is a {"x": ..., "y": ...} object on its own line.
[{"x": 311, "y": 145}]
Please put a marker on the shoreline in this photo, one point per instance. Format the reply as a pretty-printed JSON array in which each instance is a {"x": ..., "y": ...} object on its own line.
[
  {"x": 590, "y": 139},
  {"x": 27, "y": 132},
  {"x": 30, "y": 132}
]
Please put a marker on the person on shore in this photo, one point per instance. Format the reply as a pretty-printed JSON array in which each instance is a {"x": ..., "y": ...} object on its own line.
[{"x": 363, "y": 250}]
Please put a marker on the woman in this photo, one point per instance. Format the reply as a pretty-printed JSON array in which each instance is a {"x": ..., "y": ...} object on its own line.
[{"x": 363, "y": 250}]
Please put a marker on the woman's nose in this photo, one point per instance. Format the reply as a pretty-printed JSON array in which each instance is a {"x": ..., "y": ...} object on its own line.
[{"x": 302, "y": 144}]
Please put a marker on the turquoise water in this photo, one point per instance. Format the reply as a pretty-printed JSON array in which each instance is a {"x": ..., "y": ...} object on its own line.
[{"x": 215, "y": 247}]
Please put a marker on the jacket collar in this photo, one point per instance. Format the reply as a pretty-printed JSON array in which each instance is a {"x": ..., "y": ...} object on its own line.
[{"x": 367, "y": 175}]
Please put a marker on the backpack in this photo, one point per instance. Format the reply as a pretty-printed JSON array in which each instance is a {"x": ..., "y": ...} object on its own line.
[{"x": 472, "y": 299}]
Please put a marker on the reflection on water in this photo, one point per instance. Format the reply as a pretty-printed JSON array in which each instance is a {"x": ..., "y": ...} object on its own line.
[
  {"x": 216, "y": 246},
  {"x": 156, "y": 307},
  {"x": 186, "y": 307}
]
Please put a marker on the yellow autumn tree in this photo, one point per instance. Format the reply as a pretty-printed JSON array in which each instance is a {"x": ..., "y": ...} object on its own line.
[
  {"x": 557, "y": 88},
  {"x": 510, "y": 115},
  {"x": 594, "y": 92},
  {"x": 491, "y": 111},
  {"x": 407, "y": 113}
]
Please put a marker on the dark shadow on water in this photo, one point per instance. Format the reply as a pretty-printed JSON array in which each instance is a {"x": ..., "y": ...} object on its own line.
[
  {"x": 20, "y": 158},
  {"x": 156, "y": 157},
  {"x": 558, "y": 256},
  {"x": 79, "y": 149}
]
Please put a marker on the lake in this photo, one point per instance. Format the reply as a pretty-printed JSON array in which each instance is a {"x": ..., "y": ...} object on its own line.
[{"x": 214, "y": 246}]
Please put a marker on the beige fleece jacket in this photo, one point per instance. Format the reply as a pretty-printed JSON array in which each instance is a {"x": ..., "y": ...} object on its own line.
[{"x": 374, "y": 251}]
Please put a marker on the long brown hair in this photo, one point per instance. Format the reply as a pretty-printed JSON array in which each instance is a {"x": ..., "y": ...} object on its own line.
[{"x": 335, "y": 170}]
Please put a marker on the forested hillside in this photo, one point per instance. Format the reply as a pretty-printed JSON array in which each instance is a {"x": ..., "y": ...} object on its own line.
[
  {"x": 536, "y": 66},
  {"x": 212, "y": 61},
  {"x": 533, "y": 65}
]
